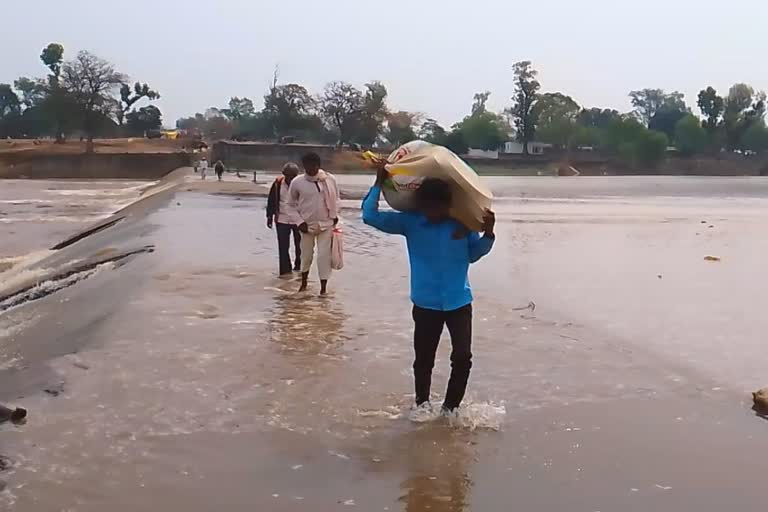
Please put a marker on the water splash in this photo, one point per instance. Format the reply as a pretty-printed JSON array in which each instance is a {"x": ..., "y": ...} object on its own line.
[
  {"x": 48, "y": 287},
  {"x": 470, "y": 416}
]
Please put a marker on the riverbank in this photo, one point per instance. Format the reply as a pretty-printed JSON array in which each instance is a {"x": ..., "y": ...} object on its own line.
[{"x": 190, "y": 376}]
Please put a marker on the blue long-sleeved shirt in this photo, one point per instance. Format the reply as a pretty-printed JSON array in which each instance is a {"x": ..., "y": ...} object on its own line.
[{"x": 439, "y": 263}]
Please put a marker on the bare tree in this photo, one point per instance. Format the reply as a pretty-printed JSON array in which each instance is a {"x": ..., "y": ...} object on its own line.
[{"x": 92, "y": 82}]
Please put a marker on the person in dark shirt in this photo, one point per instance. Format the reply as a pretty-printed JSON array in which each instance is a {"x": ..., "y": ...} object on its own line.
[
  {"x": 281, "y": 212},
  {"x": 219, "y": 168},
  {"x": 440, "y": 251}
]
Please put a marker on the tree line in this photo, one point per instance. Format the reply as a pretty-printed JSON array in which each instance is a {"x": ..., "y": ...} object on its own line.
[
  {"x": 84, "y": 95},
  {"x": 87, "y": 96},
  {"x": 342, "y": 113},
  {"x": 658, "y": 120}
]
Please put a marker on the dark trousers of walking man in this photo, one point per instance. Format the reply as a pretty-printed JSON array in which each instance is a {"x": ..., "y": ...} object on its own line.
[
  {"x": 283, "y": 244},
  {"x": 429, "y": 326}
]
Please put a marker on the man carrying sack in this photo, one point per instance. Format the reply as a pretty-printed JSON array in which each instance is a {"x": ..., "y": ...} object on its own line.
[{"x": 440, "y": 250}]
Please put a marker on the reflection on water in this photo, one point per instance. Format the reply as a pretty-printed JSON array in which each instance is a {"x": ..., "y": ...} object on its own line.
[
  {"x": 439, "y": 480},
  {"x": 305, "y": 322}
]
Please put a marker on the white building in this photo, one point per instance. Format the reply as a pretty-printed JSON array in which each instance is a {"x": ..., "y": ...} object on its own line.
[
  {"x": 483, "y": 153},
  {"x": 516, "y": 148},
  {"x": 509, "y": 148}
]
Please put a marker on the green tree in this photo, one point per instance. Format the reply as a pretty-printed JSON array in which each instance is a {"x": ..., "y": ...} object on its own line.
[
  {"x": 288, "y": 108},
  {"x": 32, "y": 91},
  {"x": 712, "y": 106},
  {"x": 10, "y": 105},
  {"x": 690, "y": 137},
  {"x": 91, "y": 82},
  {"x": 526, "y": 92},
  {"x": 484, "y": 130},
  {"x": 431, "y": 131},
  {"x": 239, "y": 108},
  {"x": 743, "y": 107},
  {"x": 556, "y": 115},
  {"x": 145, "y": 119},
  {"x": 57, "y": 103},
  {"x": 648, "y": 102},
  {"x": 622, "y": 132},
  {"x": 587, "y": 137},
  {"x": 598, "y": 118},
  {"x": 400, "y": 127},
  {"x": 455, "y": 141},
  {"x": 10, "y": 112},
  {"x": 130, "y": 96},
  {"x": 651, "y": 148},
  {"x": 53, "y": 56},
  {"x": 256, "y": 127},
  {"x": 666, "y": 118},
  {"x": 191, "y": 123},
  {"x": 341, "y": 104},
  {"x": 374, "y": 113},
  {"x": 755, "y": 138}
]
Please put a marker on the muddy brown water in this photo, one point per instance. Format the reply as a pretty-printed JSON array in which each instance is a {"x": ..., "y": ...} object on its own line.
[{"x": 192, "y": 378}]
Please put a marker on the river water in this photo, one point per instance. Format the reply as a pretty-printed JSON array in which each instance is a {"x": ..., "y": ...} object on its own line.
[{"x": 192, "y": 377}]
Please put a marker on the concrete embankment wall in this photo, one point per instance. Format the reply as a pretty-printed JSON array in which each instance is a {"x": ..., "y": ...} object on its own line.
[
  {"x": 269, "y": 156},
  {"x": 136, "y": 166},
  {"x": 596, "y": 164}
]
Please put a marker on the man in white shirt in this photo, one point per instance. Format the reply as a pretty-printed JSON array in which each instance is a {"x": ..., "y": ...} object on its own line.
[
  {"x": 281, "y": 212},
  {"x": 315, "y": 196},
  {"x": 203, "y": 166}
]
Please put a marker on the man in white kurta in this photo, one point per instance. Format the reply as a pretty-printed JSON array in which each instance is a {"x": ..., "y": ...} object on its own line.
[{"x": 315, "y": 197}]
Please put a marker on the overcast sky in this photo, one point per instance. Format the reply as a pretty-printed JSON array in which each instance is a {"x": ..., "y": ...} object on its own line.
[{"x": 433, "y": 55}]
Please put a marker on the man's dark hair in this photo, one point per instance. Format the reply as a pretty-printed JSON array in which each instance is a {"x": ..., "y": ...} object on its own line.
[
  {"x": 311, "y": 158},
  {"x": 434, "y": 190}
]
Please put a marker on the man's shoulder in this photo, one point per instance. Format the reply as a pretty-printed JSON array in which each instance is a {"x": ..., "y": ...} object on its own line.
[{"x": 298, "y": 180}]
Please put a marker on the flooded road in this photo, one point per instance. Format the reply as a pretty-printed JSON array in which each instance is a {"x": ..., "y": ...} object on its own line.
[
  {"x": 191, "y": 376},
  {"x": 35, "y": 215}
]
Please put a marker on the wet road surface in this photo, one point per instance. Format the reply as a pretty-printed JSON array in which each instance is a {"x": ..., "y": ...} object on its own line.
[{"x": 192, "y": 377}]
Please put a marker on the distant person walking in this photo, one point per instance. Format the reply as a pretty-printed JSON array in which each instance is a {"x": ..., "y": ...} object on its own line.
[
  {"x": 203, "y": 166},
  {"x": 280, "y": 211},
  {"x": 315, "y": 196},
  {"x": 218, "y": 168}
]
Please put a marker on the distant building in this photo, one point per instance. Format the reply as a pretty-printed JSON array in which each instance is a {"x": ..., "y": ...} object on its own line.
[
  {"x": 509, "y": 148},
  {"x": 516, "y": 148},
  {"x": 483, "y": 153}
]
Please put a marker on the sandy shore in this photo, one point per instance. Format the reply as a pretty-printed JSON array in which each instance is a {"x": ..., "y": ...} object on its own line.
[{"x": 190, "y": 376}]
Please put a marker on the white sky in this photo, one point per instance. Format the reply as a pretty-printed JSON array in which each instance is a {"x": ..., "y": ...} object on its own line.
[{"x": 433, "y": 55}]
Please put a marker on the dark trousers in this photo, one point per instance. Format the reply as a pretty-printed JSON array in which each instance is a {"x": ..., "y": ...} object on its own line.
[
  {"x": 283, "y": 245},
  {"x": 426, "y": 337}
]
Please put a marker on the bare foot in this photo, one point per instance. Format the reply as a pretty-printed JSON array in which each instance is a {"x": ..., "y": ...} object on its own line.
[
  {"x": 323, "y": 287},
  {"x": 304, "y": 280}
]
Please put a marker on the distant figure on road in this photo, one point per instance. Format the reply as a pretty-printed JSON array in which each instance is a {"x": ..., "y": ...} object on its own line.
[
  {"x": 281, "y": 212},
  {"x": 218, "y": 167},
  {"x": 315, "y": 196},
  {"x": 203, "y": 166}
]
